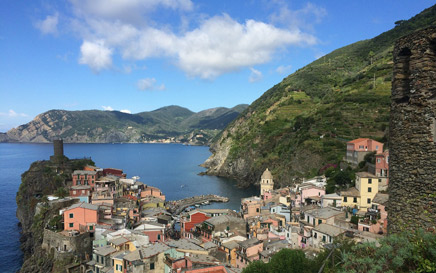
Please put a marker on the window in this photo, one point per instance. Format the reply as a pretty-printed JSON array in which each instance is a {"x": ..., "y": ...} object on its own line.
[
  {"x": 330, "y": 239},
  {"x": 74, "y": 192},
  {"x": 378, "y": 160},
  {"x": 369, "y": 181},
  {"x": 360, "y": 146},
  {"x": 319, "y": 221},
  {"x": 376, "y": 147},
  {"x": 369, "y": 189},
  {"x": 368, "y": 200},
  {"x": 119, "y": 267},
  {"x": 365, "y": 229},
  {"x": 151, "y": 266},
  {"x": 257, "y": 209},
  {"x": 354, "y": 199},
  {"x": 71, "y": 224},
  {"x": 158, "y": 236},
  {"x": 323, "y": 238},
  {"x": 308, "y": 220},
  {"x": 71, "y": 215},
  {"x": 379, "y": 180},
  {"x": 315, "y": 235},
  {"x": 91, "y": 227},
  {"x": 313, "y": 221},
  {"x": 345, "y": 199}
]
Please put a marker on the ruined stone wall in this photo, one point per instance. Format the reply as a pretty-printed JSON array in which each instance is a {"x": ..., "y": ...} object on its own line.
[
  {"x": 412, "y": 181},
  {"x": 67, "y": 244}
]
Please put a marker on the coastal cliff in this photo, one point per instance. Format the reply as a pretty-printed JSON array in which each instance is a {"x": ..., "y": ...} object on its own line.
[
  {"x": 302, "y": 124},
  {"x": 33, "y": 211}
]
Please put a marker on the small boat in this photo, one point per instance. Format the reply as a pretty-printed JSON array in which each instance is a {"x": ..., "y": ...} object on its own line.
[
  {"x": 197, "y": 205},
  {"x": 182, "y": 186}
]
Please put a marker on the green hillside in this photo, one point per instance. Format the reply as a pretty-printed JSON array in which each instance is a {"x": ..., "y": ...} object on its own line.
[
  {"x": 172, "y": 122},
  {"x": 301, "y": 124}
]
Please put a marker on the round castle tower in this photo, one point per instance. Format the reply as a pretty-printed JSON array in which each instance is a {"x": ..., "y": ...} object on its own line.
[{"x": 266, "y": 182}]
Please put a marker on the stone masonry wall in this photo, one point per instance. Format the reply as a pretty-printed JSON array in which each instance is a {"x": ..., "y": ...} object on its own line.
[
  {"x": 412, "y": 144},
  {"x": 67, "y": 244}
]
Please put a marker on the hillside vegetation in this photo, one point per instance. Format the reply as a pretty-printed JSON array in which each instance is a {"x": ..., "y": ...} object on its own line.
[
  {"x": 301, "y": 124},
  {"x": 173, "y": 123}
]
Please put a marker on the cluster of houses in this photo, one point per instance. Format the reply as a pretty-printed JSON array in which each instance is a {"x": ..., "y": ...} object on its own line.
[{"x": 132, "y": 230}]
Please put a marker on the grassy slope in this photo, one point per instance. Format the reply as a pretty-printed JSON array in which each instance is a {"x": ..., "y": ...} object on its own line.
[{"x": 302, "y": 123}]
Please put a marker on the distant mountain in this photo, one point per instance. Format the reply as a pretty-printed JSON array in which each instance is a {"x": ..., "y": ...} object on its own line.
[
  {"x": 302, "y": 123},
  {"x": 167, "y": 124}
]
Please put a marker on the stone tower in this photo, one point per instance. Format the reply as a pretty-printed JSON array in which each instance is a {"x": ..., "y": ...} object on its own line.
[
  {"x": 266, "y": 182},
  {"x": 58, "y": 147},
  {"x": 412, "y": 143}
]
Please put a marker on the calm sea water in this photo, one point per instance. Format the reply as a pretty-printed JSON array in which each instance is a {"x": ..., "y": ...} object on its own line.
[{"x": 171, "y": 167}]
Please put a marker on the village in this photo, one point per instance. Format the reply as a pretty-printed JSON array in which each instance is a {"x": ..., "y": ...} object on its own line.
[{"x": 112, "y": 223}]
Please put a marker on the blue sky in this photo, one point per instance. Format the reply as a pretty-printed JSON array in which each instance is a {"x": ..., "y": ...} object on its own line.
[{"x": 139, "y": 55}]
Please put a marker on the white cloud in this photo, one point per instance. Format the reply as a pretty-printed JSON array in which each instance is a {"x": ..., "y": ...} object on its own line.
[
  {"x": 96, "y": 55},
  {"x": 12, "y": 114},
  {"x": 149, "y": 84},
  {"x": 49, "y": 25},
  {"x": 107, "y": 108},
  {"x": 216, "y": 45},
  {"x": 126, "y": 111},
  {"x": 255, "y": 75},
  {"x": 304, "y": 18},
  {"x": 284, "y": 69}
]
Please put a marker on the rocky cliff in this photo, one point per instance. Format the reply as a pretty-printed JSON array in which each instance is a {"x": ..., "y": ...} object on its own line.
[
  {"x": 302, "y": 124},
  {"x": 42, "y": 178}
]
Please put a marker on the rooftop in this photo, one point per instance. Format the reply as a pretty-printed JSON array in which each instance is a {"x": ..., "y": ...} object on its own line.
[
  {"x": 324, "y": 213},
  {"x": 231, "y": 245},
  {"x": 352, "y": 192},
  {"x": 76, "y": 172},
  {"x": 83, "y": 205},
  {"x": 381, "y": 198},
  {"x": 153, "y": 250},
  {"x": 249, "y": 242},
  {"x": 183, "y": 244},
  {"x": 329, "y": 229},
  {"x": 105, "y": 250},
  {"x": 224, "y": 219},
  {"x": 365, "y": 175}
]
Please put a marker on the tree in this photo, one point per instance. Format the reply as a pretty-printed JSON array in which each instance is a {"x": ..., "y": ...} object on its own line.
[
  {"x": 371, "y": 56},
  {"x": 289, "y": 261},
  {"x": 256, "y": 267},
  {"x": 61, "y": 192}
]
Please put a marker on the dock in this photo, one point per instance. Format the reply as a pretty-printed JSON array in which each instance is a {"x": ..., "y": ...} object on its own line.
[{"x": 176, "y": 207}]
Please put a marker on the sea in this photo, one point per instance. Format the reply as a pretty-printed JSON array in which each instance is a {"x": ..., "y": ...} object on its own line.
[{"x": 174, "y": 168}]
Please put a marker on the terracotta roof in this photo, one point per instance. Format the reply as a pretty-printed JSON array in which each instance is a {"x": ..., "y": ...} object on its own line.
[
  {"x": 329, "y": 229},
  {"x": 357, "y": 140},
  {"x": 353, "y": 192}
]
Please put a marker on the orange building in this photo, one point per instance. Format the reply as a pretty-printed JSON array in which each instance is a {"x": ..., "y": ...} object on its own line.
[
  {"x": 152, "y": 191},
  {"x": 81, "y": 216}
]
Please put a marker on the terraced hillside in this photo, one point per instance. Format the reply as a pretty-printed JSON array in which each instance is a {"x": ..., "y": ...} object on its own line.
[{"x": 302, "y": 124}]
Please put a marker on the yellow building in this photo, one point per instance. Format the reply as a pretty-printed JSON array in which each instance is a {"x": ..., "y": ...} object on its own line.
[
  {"x": 118, "y": 262},
  {"x": 266, "y": 182},
  {"x": 360, "y": 196}
]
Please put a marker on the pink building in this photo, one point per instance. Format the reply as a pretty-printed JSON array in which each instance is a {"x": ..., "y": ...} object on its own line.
[
  {"x": 382, "y": 164},
  {"x": 251, "y": 206},
  {"x": 248, "y": 252},
  {"x": 311, "y": 192},
  {"x": 376, "y": 219},
  {"x": 358, "y": 148},
  {"x": 81, "y": 217},
  {"x": 86, "y": 178}
]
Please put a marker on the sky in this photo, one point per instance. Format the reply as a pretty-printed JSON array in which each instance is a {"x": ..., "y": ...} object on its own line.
[{"x": 140, "y": 55}]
